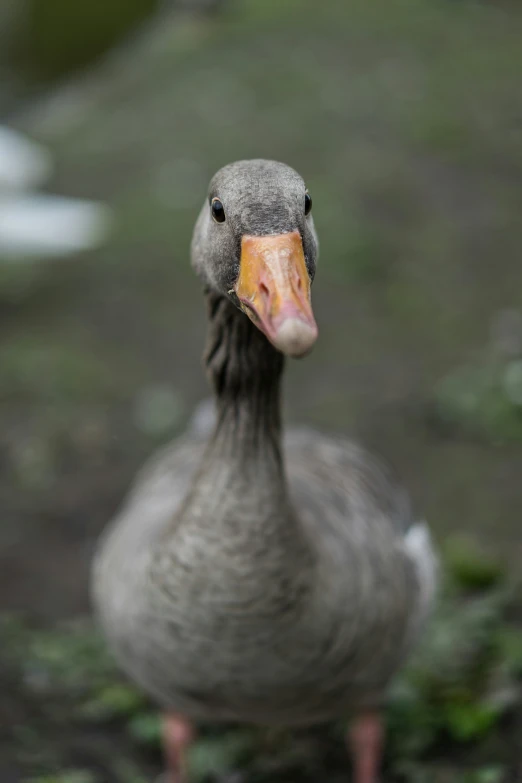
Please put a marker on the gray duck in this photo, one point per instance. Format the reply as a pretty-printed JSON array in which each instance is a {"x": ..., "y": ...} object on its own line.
[{"x": 251, "y": 575}]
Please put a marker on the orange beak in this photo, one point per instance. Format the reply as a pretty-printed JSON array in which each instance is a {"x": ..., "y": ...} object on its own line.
[{"x": 274, "y": 291}]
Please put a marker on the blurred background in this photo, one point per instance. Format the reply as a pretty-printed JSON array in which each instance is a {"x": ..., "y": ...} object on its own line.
[{"x": 405, "y": 120}]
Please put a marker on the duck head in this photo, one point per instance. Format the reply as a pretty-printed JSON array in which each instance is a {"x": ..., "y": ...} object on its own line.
[{"x": 255, "y": 243}]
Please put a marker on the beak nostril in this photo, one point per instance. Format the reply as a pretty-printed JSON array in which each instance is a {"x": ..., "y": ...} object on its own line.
[
  {"x": 299, "y": 284},
  {"x": 265, "y": 293}
]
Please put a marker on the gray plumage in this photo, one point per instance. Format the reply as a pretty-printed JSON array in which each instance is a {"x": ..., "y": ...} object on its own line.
[{"x": 250, "y": 576}]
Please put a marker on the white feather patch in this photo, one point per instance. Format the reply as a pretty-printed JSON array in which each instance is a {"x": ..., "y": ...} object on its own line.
[{"x": 419, "y": 548}]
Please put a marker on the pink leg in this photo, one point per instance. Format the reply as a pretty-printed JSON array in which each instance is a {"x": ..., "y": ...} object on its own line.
[
  {"x": 178, "y": 733},
  {"x": 366, "y": 740}
]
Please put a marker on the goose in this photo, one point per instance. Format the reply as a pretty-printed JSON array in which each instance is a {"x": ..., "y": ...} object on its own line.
[{"x": 254, "y": 576}]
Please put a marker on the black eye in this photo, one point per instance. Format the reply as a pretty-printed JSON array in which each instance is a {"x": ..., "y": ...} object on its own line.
[
  {"x": 218, "y": 210},
  {"x": 308, "y": 203}
]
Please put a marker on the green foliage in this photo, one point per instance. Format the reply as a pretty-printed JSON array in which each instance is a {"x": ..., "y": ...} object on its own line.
[
  {"x": 145, "y": 728},
  {"x": 482, "y": 399},
  {"x": 436, "y": 773},
  {"x": 463, "y": 679},
  {"x": 68, "y": 776},
  {"x": 471, "y": 566},
  {"x": 72, "y": 662},
  {"x": 509, "y": 642},
  {"x": 59, "y": 36},
  {"x": 492, "y": 774},
  {"x": 72, "y": 659},
  {"x": 219, "y": 755},
  {"x": 466, "y": 721},
  {"x": 112, "y": 701}
]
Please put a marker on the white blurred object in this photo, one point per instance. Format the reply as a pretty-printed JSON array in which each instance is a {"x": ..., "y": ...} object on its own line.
[
  {"x": 38, "y": 226},
  {"x": 23, "y": 164},
  {"x": 42, "y": 226}
]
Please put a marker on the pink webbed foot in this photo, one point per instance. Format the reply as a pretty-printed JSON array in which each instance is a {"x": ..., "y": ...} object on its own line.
[
  {"x": 178, "y": 733},
  {"x": 365, "y": 740}
]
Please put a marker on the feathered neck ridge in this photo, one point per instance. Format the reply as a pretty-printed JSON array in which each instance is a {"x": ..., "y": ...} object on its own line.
[{"x": 245, "y": 371}]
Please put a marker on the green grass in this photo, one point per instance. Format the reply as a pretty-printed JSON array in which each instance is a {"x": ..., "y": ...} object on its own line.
[{"x": 483, "y": 399}]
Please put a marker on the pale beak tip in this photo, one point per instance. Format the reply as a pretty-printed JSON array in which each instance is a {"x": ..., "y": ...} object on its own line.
[{"x": 295, "y": 338}]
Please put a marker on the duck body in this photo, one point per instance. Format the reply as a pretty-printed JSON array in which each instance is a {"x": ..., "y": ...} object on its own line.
[
  {"x": 251, "y": 575},
  {"x": 252, "y": 644},
  {"x": 289, "y": 593}
]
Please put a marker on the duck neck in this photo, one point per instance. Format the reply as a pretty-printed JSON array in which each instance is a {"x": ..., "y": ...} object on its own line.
[
  {"x": 245, "y": 371},
  {"x": 240, "y": 493}
]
